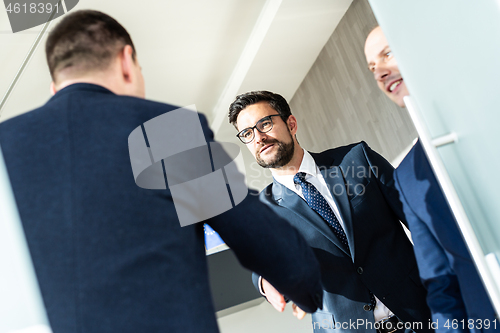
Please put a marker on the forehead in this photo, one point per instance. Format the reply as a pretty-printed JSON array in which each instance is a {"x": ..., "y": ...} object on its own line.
[
  {"x": 375, "y": 44},
  {"x": 253, "y": 113}
]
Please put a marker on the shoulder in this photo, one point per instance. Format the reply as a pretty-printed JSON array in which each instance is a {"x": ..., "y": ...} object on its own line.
[
  {"x": 23, "y": 124},
  {"x": 152, "y": 109},
  {"x": 407, "y": 161},
  {"x": 340, "y": 151},
  {"x": 266, "y": 195},
  {"x": 415, "y": 164},
  {"x": 415, "y": 169},
  {"x": 336, "y": 156}
]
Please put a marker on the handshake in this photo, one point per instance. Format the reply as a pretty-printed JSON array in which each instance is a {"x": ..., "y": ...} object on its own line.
[{"x": 277, "y": 300}]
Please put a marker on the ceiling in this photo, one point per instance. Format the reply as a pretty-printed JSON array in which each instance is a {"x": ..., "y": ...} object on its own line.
[{"x": 192, "y": 51}]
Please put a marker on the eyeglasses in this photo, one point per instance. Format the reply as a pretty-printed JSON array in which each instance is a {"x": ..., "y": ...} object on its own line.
[{"x": 264, "y": 125}]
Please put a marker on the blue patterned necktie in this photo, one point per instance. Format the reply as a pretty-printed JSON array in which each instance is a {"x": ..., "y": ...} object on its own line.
[{"x": 318, "y": 203}]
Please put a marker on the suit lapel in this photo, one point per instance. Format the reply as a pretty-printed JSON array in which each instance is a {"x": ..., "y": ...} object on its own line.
[
  {"x": 335, "y": 182},
  {"x": 288, "y": 199}
]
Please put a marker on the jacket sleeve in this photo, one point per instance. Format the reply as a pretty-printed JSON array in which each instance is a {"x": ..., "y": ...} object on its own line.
[
  {"x": 443, "y": 290},
  {"x": 267, "y": 245}
]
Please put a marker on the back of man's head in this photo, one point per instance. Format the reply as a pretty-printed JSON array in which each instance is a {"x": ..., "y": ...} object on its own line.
[{"x": 85, "y": 41}]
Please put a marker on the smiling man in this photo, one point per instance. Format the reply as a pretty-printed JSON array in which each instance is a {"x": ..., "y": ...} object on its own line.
[
  {"x": 343, "y": 202},
  {"x": 384, "y": 67},
  {"x": 456, "y": 296}
]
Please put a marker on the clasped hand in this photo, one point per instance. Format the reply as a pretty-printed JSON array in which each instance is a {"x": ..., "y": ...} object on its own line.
[{"x": 277, "y": 300}]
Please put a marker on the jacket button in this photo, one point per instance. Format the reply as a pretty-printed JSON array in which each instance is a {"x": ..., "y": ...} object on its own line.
[
  {"x": 360, "y": 270},
  {"x": 367, "y": 307}
]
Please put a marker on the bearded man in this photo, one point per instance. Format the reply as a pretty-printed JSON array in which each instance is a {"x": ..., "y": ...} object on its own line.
[{"x": 343, "y": 201}]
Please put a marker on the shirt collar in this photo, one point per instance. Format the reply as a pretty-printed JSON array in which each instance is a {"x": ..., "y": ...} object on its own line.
[{"x": 308, "y": 166}]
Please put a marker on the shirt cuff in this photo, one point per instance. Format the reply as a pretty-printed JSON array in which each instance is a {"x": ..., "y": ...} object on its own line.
[{"x": 260, "y": 287}]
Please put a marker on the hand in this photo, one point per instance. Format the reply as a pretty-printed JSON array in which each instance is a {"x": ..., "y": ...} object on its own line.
[
  {"x": 273, "y": 296},
  {"x": 298, "y": 312}
]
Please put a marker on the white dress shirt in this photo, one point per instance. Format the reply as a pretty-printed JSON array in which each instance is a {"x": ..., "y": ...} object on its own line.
[{"x": 314, "y": 176}]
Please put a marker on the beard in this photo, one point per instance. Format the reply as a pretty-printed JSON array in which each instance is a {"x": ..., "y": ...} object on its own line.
[{"x": 282, "y": 157}]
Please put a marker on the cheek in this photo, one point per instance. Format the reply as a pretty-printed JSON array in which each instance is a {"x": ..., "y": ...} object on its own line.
[
  {"x": 404, "y": 89},
  {"x": 394, "y": 65}
]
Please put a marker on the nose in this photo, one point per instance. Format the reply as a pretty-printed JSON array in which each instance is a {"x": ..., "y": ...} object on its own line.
[
  {"x": 381, "y": 72},
  {"x": 259, "y": 137}
]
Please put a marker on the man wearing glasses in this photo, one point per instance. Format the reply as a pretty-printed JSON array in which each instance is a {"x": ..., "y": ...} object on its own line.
[{"x": 344, "y": 203}]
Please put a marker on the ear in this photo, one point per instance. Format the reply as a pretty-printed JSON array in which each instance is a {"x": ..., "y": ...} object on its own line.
[
  {"x": 127, "y": 63},
  {"x": 53, "y": 89},
  {"x": 292, "y": 124}
]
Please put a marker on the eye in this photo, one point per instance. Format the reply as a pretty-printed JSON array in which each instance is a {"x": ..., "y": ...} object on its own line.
[
  {"x": 246, "y": 134},
  {"x": 388, "y": 55},
  {"x": 371, "y": 68},
  {"x": 265, "y": 124}
]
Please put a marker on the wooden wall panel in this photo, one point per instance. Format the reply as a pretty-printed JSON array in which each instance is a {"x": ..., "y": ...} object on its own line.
[{"x": 339, "y": 102}]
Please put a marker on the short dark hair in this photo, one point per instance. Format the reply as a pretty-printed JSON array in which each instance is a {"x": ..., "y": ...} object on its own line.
[
  {"x": 276, "y": 101},
  {"x": 85, "y": 40}
]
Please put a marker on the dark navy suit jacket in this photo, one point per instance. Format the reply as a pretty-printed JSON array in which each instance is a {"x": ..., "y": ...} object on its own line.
[
  {"x": 110, "y": 256},
  {"x": 381, "y": 258},
  {"x": 455, "y": 290}
]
